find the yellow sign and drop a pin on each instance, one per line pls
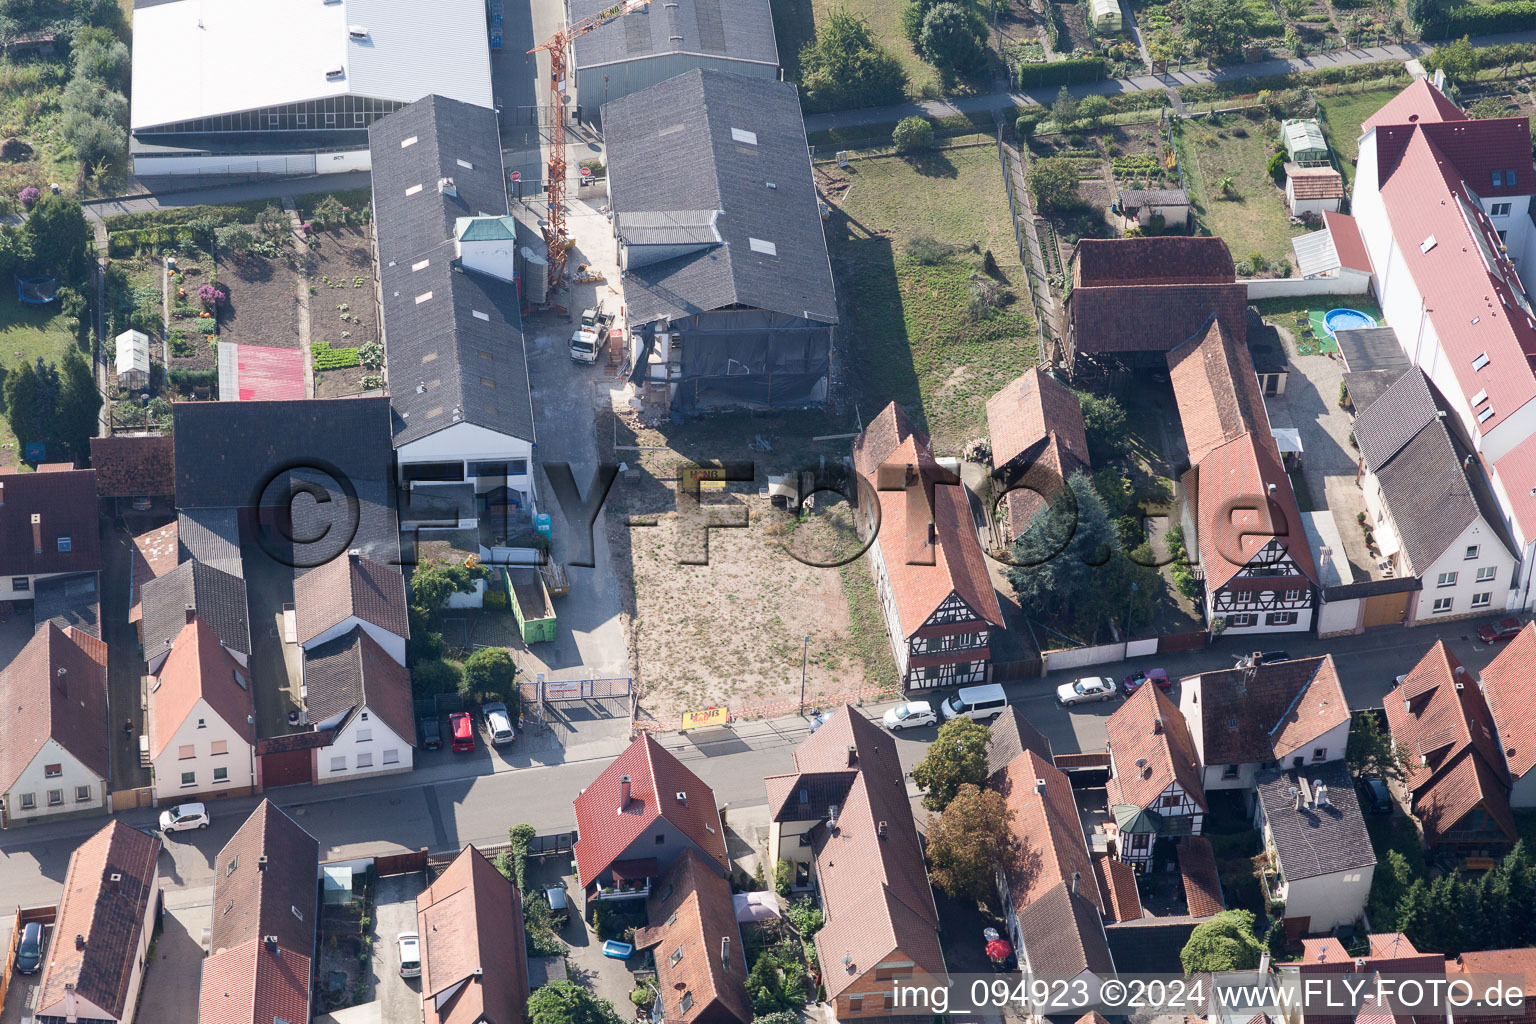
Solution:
(703, 478)
(699, 719)
(472, 561)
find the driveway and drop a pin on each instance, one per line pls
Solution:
(175, 971)
(22, 994)
(607, 978)
(275, 665)
(125, 663)
(394, 908)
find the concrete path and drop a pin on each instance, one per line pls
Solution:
(301, 294)
(277, 188)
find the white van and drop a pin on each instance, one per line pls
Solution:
(978, 702)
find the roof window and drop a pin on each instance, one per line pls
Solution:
(766, 248)
(1481, 361)
(481, 316)
(1479, 398)
(1498, 179)
(1428, 244)
(742, 135)
(422, 265)
(1486, 414)
(465, 164)
(413, 190)
(409, 142)
(423, 297)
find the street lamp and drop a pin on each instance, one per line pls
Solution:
(804, 653)
(1128, 606)
(250, 720)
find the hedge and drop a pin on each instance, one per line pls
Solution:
(186, 381)
(1207, 91)
(130, 241)
(328, 358)
(1488, 56)
(1063, 72)
(235, 212)
(1475, 20)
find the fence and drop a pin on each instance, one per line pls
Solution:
(401, 863)
(779, 709)
(1102, 654)
(1270, 288)
(1026, 255)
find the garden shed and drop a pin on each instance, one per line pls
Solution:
(1304, 142)
(1106, 15)
(133, 359)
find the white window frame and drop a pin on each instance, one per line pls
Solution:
(221, 778)
(55, 798)
(338, 764)
(1241, 619)
(1482, 600)
(1472, 550)
(82, 794)
(29, 801)
(188, 780)
(1446, 579)
(1499, 209)
(1447, 602)
(1487, 574)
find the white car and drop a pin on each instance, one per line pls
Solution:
(1089, 688)
(498, 722)
(409, 944)
(183, 817)
(910, 715)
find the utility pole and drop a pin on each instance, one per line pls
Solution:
(804, 654)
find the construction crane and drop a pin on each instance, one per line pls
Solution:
(557, 46)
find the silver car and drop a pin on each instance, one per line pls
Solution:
(1086, 690)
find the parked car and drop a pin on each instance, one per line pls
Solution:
(1262, 658)
(978, 702)
(1085, 690)
(559, 906)
(1498, 632)
(1131, 683)
(29, 952)
(498, 722)
(910, 715)
(429, 733)
(409, 944)
(183, 817)
(1375, 798)
(462, 727)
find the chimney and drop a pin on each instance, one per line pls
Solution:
(725, 951)
(79, 941)
(447, 187)
(271, 943)
(2, 493)
(623, 793)
(832, 810)
(1157, 725)
(1295, 794)
(881, 829)
(1263, 963)
(1040, 786)
(1272, 489)
(1407, 705)
(69, 1001)
(261, 863)
(853, 755)
(682, 798)
(37, 533)
(1320, 795)
(115, 882)
(1075, 876)
(191, 613)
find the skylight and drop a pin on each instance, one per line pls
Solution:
(422, 265)
(481, 316)
(408, 142)
(1481, 361)
(413, 190)
(423, 297)
(1428, 244)
(766, 248)
(1485, 415)
(465, 164)
(742, 135)
(1479, 398)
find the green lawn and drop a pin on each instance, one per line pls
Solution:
(913, 339)
(1342, 116)
(26, 332)
(795, 21)
(1255, 219)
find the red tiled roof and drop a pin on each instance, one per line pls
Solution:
(1476, 149)
(109, 912)
(1051, 847)
(1039, 421)
(1510, 688)
(251, 984)
(1150, 294)
(1326, 950)
(1216, 390)
(134, 465)
(1249, 716)
(58, 687)
(1515, 476)
(1315, 182)
(154, 555)
(1202, 885)
(1347, 242)
(1233, 480)
(656, 777)
(470, 921)
(1390, 946)
(346, 586)
(1161, 259)
(1148, 727)
(198, 667)
(1460, 787)
(1117, 888)
(64, 501)
(958, 567)
(1420, 103)
(698, 944)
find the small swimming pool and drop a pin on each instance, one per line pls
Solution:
(1336, 320)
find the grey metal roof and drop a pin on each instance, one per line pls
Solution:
(730, 29)
(1371, 348)
(211, 536)
(1315, 840)
(453, 338)
(218, 598)
(1316, 255)
(1394, 419)
(681, 227)
(712, 140)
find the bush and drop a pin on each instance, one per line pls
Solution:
(237, 238)
(844, 66)
(186, 381)
(927, 250)
(1276, 169)
(913, 134)
(28, 196)
(435, 676)
(1053, 183)
(1063, 72)
(953, 39)
(1473, 20)
(521, 837)
(783, 877)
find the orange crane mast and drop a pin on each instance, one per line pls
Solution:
(557, 46)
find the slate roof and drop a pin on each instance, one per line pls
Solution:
(65, 503)
(215, 596)
(1510, 689)
(210, 536)
(736, 30)
(698, 943)
(1009, 735)
(676, 147)
(1150, 294)
(656, 777)
(1148, 727)
(1216, 390)
(1251, 716)
(1316, 840)
(1035, 421)
(199, 668)
(1064, 936)
(353, 671)
(1202, 884)
(346, 586)
(58, 685)
(68, 601)
(454, 338)
(471, 925)
(890, 442)
(107, 893)
(874, 889)
(1135, 198)
(1049, 834)
(134, 465)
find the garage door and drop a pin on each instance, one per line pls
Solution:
(1386, 610)
(288, 768)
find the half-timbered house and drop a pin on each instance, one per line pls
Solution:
(1154, 783)
(939, 605)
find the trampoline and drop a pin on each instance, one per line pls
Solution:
(37, 290)
(1336, 320)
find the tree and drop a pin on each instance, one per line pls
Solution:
(1053, 183)
(970, 841)
(60, 239)
(913, 134)
(1276, 168)
(79, 404)
(431, 584)
(21, 402)
(490, 674)
(1093, 109)
(1391, 880)
(560, 1002)
(844, 66)
(100, 56)
(1224, 943)
(95, 120)
(1370, 751)
(237, 238)
(1422, 12)
(1104, 423)
(956, 757)
(273, 222)
(953, 39)
(1064, 110)
(1217, 26)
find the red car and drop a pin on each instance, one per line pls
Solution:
(1498, 632)
(462, 728)
(1131, 683)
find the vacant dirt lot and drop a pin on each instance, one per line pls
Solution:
(263, 308)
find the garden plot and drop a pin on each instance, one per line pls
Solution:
(795, 23)
(1233, 195)
(262, 305)
(341, 273)
(27, 333)
(192, 335)
(1342, 115)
